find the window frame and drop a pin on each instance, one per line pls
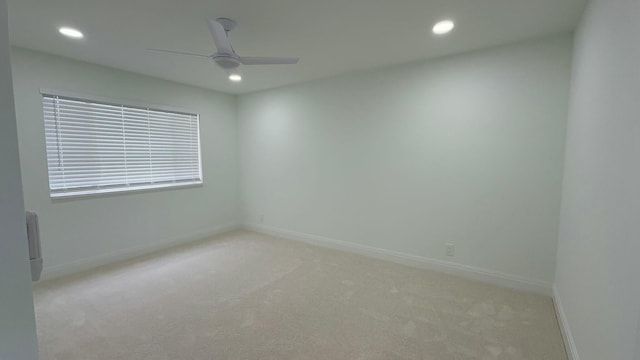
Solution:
(119, 189)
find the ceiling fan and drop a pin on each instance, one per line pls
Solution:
(225, 56)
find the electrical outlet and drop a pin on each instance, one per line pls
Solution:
(450, 248)
(261, 218)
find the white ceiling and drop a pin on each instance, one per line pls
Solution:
(330, 36)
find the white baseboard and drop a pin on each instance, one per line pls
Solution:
(470, 272)
(569, 344)
(129, 253)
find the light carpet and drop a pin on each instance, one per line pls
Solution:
(244, 295)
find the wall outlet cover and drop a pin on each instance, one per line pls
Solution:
(450, 249)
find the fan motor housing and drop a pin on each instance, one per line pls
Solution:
(226, 61)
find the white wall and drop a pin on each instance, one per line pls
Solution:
(17, 324)
(598, 266)
(83, 232)
(466, 149)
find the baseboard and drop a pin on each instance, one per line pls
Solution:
(56, 271)
(470, 272)
(569, 344)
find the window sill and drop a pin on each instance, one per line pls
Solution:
(71, 195)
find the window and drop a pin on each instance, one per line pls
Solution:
(96, 146)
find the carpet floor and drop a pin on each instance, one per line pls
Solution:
(244, 295)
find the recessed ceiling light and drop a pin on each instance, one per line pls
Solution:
(71, 32)
(443, 27)
(235, 77)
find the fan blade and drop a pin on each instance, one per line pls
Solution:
(180, 52)
(220, 38)
(252, 60)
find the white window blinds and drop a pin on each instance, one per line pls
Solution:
(99, 147)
